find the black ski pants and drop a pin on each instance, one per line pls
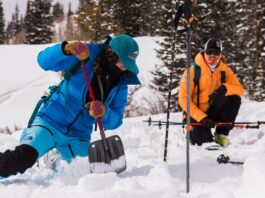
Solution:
(18, 160)
(227, 113)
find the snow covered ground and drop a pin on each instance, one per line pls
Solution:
(147, 175)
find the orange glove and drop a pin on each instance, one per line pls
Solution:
(97, 109)
(78, 49)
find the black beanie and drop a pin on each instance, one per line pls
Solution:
(213, 44)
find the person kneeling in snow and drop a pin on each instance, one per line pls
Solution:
(65, 120)
(215, 95)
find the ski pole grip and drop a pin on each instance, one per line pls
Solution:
(222, 159)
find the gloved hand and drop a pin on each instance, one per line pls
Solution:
(217, 98)
(208, 123)
(78, 49)
(97, 109)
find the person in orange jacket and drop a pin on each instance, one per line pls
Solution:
(216, 97)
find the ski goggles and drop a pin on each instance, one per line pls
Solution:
(213, 52)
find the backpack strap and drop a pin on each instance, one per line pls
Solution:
(74, 68)
(67, 76)
(36, 109)
(197, 75)
(40, 102)
(223, 76)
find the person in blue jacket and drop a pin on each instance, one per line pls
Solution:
(65, 120)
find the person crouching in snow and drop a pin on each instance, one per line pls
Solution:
(215, 95)
(65, 121)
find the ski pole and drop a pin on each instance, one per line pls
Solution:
(150, 121)
(184, 8)
(238, 126)
(254, 125)
(170, 86)
(222, 159)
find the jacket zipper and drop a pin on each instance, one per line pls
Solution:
(70, 125)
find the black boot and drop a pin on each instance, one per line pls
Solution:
(18, 160)
(200, 135)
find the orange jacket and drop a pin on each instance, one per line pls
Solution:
(209, 82)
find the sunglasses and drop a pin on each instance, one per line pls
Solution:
(213, 52)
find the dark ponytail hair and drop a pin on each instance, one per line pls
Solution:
(105, 58)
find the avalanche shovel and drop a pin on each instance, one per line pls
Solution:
(107, 154)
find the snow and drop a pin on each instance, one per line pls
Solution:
(147, 175)
(117, 165)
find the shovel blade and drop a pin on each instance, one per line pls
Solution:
(111, 160)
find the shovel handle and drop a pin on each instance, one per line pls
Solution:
(92, 96)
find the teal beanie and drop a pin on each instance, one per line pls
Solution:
(127, 49)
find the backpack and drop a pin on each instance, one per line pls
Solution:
(197, 75)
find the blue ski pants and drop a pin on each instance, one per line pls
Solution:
(43, 137)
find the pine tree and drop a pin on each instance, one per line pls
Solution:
(11, 30)
(108, 18)
(246, 32)
(201, 26)
(259, 93)
(262, 33)
(18, 25)
(94, 23)
(156, 19)
(29, 22)
(136, 18)
(58, 12)
(262, 43)
(47, 21)
(38, 22)
(82, 4)
(21, 35)
(161, 75)
(70, 31)
(211, 19)
(126, 15)
(14, 28)
(147, 18)
(2, 24)
(70, 12)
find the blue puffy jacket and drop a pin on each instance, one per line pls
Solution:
(65, 110)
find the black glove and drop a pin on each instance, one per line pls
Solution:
(217, 98)
(208, 123)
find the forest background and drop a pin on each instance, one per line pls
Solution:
(240, 25)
